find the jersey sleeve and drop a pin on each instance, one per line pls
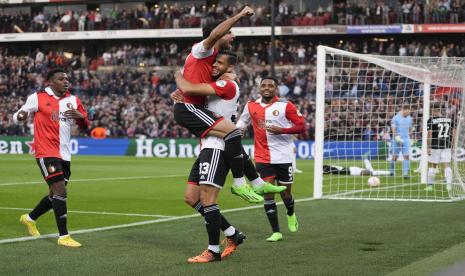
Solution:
(224, 89)
(429, 126)
(199, 51)
(394, 122)
(293, 115)
(31, 106)
(244, 120)
(83, 124)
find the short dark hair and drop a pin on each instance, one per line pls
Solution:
(275, 80)
(53, 71)
(232, 57)
(208, 28)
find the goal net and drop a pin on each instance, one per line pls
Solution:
(359, 98)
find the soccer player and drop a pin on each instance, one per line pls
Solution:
(200, 121)
(211, 168)
(441, 131)
(355, 171)
(54, 110)
(401, 124)
(274, 121)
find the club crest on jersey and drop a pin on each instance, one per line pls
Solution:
(275, 112)
(51, 169)
(221, 83)
(69, 105)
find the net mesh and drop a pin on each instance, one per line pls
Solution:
(362, 95)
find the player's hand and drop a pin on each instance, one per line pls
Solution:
(22, 115)
(246, 11)
(274, 129)
(73, 114)
(398, 139)
(177, 96)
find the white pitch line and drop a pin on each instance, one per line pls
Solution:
(106, 228)
(97, 179)
(96, 213)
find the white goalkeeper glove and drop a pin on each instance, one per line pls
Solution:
(412, 142)
(398, 139)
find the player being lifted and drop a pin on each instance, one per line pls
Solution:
(200, 121)
(274, 121)
(441, 133)
(54, 110)
(211, 168)
(401, 129)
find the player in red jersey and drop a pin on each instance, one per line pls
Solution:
(274, 121)
(54, 110)
(192, 113)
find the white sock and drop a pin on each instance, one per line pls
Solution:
(230, 231)
(29, 218)
(239, 182)
(448, 175)
(258, 182)
(214, 248)
(64, 236)
(431, 175)
(380, 173)
(368, 165)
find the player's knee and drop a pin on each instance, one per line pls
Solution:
(58, 189)
(190, 199)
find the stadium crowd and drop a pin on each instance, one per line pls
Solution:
(126, 88)
(189, 15)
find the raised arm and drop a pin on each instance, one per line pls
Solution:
(224, 27)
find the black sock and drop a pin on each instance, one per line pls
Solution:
(233, 153)
(272, 214)
(59, 207)
(212, 222)
(224, 222)
(249, 168)
(45, 204)
(289, 203)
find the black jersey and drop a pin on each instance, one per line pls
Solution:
(441, 128)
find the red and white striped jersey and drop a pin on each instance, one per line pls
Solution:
(52, 131)
(225, 104)
(271, 148)
(198, 69)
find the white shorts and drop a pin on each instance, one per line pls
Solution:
(355, 171)
(440, 156)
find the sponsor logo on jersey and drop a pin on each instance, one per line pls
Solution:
(221, 83)
(51, 169)
(276, 113)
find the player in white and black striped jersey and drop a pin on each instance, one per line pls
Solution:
(440, 142)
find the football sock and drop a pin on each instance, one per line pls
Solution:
(289, 203)
(233, 153)
(406, 167)
(212, 222)
(272, 214)
(224, 226)
(368, 165)
(380, 173)
(59, 207)
(431, 176)
(44, 205)
(392, 166)
(448, 175)
(249, 169)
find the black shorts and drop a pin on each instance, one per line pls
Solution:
(54, 169)
(198, 120)
(209, 169)
(283, 173)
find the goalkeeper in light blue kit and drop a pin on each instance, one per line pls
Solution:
(401, 124)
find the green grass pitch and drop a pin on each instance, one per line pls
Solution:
(336, 237)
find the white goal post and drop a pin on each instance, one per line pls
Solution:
(357, 96)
